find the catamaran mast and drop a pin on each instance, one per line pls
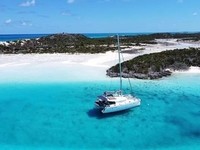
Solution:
(120, 68)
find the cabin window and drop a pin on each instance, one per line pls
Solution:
(111, 102)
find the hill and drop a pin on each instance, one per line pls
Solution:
(157, 65)
(78, 43)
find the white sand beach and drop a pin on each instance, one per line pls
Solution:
(72, 67)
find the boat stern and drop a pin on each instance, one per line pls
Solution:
(100, 102)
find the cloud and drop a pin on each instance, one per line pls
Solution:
(66, 14)
(194, 14)
(28, 3)
(78, 17)
(43, 16)
(26, 12)
(180, 1)
(23, 23)
(8, 21)
(103, 1)
(70, 1)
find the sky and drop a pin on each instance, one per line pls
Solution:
(98, 16)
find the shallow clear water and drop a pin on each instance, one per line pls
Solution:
(61, 115)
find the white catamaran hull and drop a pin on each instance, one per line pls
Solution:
(120, 107)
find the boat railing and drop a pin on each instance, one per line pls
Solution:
(113, 93)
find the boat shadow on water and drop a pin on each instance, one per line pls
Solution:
(99, 115)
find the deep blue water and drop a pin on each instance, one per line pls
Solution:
(100, 35)
(61, 115)
(11, 37)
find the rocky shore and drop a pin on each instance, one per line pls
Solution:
(153, 75)
(157, 65)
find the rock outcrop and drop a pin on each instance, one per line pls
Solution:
(153, 75)
(157, 65)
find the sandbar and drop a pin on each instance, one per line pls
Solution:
(77, 67)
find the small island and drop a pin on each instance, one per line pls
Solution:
(145, 66)
(79, 43)
(158, 65)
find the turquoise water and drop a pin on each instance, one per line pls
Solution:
(102, 35)
(61, 115)
(11, 37)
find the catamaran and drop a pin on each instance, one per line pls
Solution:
(112, 101)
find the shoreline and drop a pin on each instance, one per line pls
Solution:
(75, 67)
(191, 70)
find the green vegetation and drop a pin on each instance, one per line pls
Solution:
(77, 43)
(149, 64)
(59, 43)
